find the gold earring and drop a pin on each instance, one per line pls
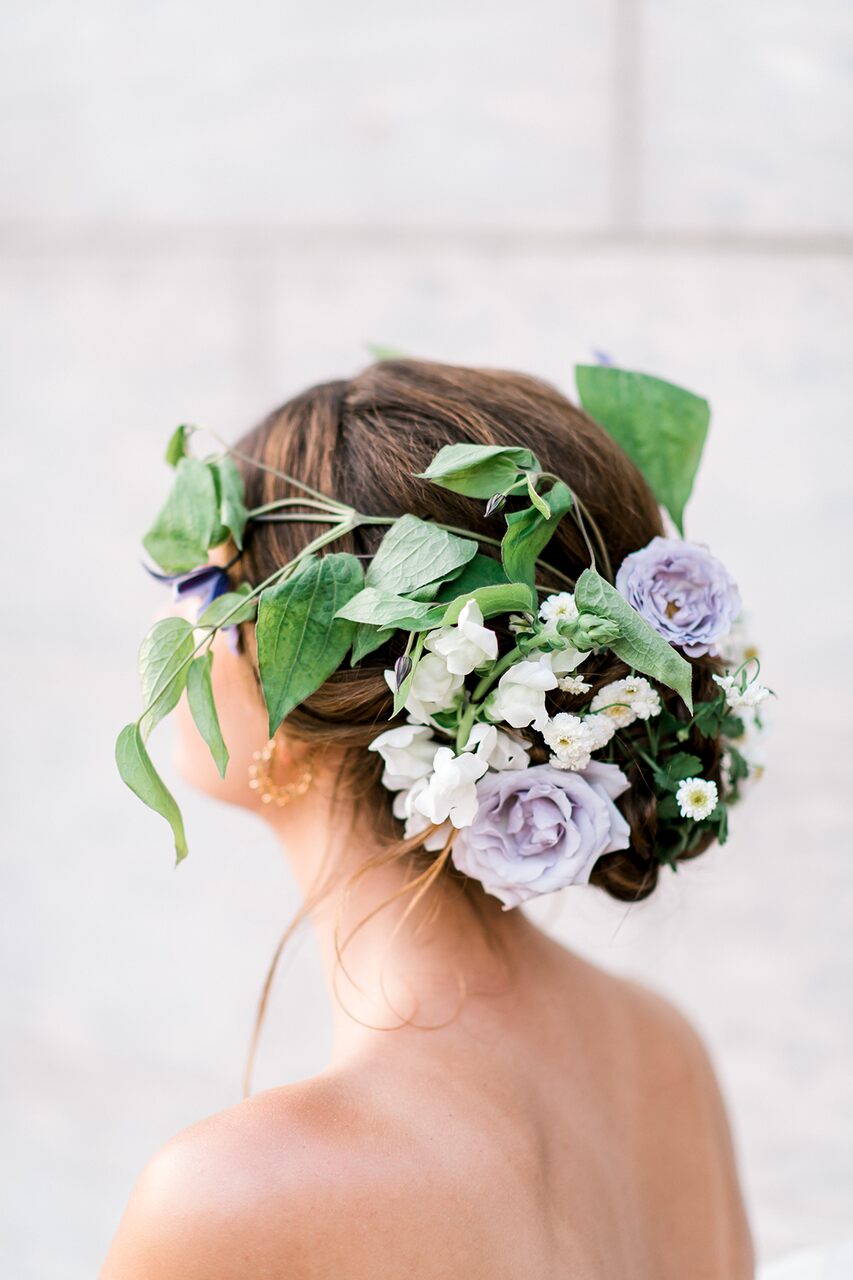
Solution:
(269, 792)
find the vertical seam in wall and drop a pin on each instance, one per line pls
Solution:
(626, 143)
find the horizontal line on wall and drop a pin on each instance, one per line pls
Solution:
(19, 240)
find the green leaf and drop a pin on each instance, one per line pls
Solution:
(509, 597)
(481, 571)
(164, 656)
(478, 470)
(536, 498)
(203, 708)
(679, 766)
(366, 639)
(177, 446)
(382, 609)
(138, 772)
(301, 641)
(414, 553)
(638, 645)
(216, 613)
(660, 426)
(528, 532)
(181, 535)
(380, 352)
(230, 494)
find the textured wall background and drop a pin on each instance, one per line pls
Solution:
(206, 207)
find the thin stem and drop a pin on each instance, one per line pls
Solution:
(299, 517)
(295, 502)
(263, 466)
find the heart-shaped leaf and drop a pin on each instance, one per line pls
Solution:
(414, 553)
(301, 640)
(661, 427)
(478, 470)
(181, 535)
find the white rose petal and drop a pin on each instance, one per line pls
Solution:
(466, 646)
(696, 798)
(451, 791)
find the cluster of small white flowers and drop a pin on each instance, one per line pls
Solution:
(625, 701)
(573, 739)
(742, 694)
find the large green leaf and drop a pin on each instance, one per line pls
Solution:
(164, 657)
(138, 772)
(414, 553)
(181, 535)
(230, 495)
(638, 645)
(382, 609)
(528, 532)
(660, 426)
(203, 708)
(301, 641)
(482, 571)
(478, 470)
(366, 639)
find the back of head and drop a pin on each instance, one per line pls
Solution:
(364, 441)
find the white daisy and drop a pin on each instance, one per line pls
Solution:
(558, 608)
(696, 798)
(625, 701)
(570, 740)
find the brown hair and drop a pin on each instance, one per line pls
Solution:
(363, 441)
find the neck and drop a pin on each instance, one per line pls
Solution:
(398, 950)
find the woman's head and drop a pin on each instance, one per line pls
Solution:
(364, 441)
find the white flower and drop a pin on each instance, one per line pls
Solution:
(451, 791)
(500, 750)
(573, 684)
(466, 646)
(520, 696)
(563, 662)
(408, 752)
(600, 729)
(570, 740)
(558, 608)
(416, 822)
(740, 694)
(625, 701)
(433, 687)
(696, 798)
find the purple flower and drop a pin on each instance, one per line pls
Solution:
(204, 584)
(540, 829)
(682, 591)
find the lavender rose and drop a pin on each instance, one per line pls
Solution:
(540, 829)
(682, 591)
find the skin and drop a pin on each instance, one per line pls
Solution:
(528, 1116)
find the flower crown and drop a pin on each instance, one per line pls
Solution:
(462, 775)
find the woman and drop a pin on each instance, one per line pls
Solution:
(494, 1105)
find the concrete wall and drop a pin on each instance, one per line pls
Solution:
(205, 207)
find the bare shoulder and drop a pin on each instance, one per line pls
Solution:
(244, 1192)
(689, 1154)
